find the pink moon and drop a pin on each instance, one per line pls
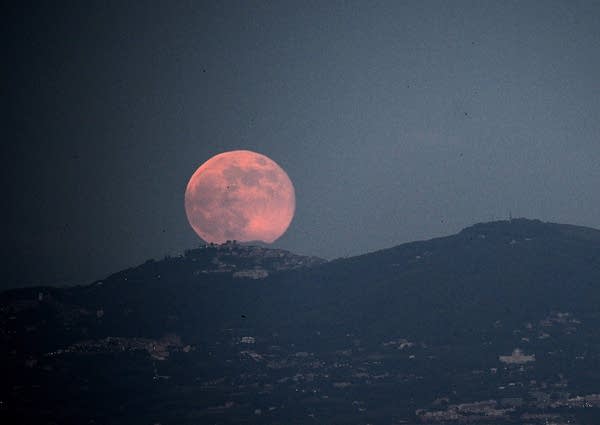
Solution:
(240, 195)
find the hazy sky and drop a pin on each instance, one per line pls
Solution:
(395, 120)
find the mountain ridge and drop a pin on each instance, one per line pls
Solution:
(516, 226)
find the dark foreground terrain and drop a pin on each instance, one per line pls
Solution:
(499, 324)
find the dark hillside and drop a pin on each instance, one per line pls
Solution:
(422, 332)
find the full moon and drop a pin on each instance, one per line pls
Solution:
(240, 195)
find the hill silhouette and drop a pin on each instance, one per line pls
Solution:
(498, 321)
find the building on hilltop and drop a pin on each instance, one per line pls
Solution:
(517, 357)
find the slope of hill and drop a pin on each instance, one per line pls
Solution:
(496, 324)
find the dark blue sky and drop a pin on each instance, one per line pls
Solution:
(395, 120)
